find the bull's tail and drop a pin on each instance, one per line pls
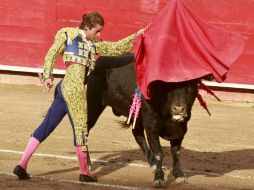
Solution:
(123, 124)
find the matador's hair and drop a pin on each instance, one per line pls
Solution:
(91, 19)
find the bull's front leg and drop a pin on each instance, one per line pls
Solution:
(151, 125)
(176, 150)
(154, 143)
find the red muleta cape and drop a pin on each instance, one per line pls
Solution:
(179, 46)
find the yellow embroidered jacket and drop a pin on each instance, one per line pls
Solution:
(67, 35)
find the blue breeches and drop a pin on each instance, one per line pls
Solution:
(55, 114)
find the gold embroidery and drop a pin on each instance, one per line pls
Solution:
(115, 48)
(82, 52)
(81, 45)
(74, 92)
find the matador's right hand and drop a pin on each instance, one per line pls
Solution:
(48, 84)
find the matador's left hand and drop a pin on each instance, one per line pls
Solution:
(141, 31)
(48, 84)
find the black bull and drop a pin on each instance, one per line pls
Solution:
(113, 83)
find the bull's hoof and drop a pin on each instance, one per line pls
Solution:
(180, 180)
(159, 183)
(159, 179)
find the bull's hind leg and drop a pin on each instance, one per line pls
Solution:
(96, 87)
(138, 133)
(175, 150)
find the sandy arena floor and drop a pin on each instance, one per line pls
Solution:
(218, 151)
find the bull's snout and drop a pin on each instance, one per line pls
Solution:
(178, 109)
(179, 113)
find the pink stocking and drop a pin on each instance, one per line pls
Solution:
(82, 159)
(30, 149)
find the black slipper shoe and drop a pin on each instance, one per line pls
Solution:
(86, 178)
(21, 173)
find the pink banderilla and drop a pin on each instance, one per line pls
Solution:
(135, 108)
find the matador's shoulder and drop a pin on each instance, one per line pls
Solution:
(71, 32)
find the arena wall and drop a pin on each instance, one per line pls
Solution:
(27, 29)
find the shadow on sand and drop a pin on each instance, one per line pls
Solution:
(193, 162)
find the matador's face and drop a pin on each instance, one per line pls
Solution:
(93, 33)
